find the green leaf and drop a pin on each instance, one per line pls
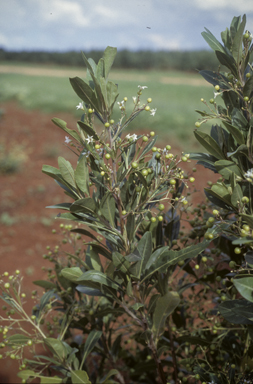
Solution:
(228, 61)
(108, 208)
(121, 262)
(26, 374)
(210, 144)
(227, 168)
(215, 78)
(95, 260)
(84, 232)
(82, 175)
(109, 56)
(248, 87)
(90, 343)
(18, 339)
(244, 286)
(137, 306)
(50, 380)
(67, 171)
(88, 129)
(45, 284)
(236, 196)
(237, 311)
(144, 248)
(162, 258)
(212, 41)
(237, 42)
(165, 305)
(80, 377)
(63, 125)
(85, 92)
(97, 277)
(72, 273)
(235, 132)
(86, 205)
(248, 219)
(58, 347)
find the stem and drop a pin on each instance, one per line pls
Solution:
(174, 359)
(159, 366)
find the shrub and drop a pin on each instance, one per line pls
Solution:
(136, 298)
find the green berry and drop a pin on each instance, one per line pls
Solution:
(149, 100)
(124, 212)
(197, 124)
(184, 158)
(107, 156)
(152, 133)
(192, 179)
(211, 101)
(134, 164)
(107, 125)
(153, 219)
(161, 207)
(246, 35)
(217, 87)
(245, 200)
(246, 98)
(147, 108)
(145, 138)
(144, 172)
(248, 75)
(90, 110)
(154, 149)
(111, 121)
(172, 182)
(102, 173)
(160, 218)
(237, 250)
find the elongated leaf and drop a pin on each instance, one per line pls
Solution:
(244, 286)
(165, 305)
(90, 343)
(109, 56)
(228, 61)
(50, 380)
(89, 291)
(227, 168)
(85, 92)
(88, 129)
(58, 347)
(84, 232)
(18, 339)
(212, 41)
(86, 205)
(111, 373)
(248, 219)
(237, 311)
(67, 171)
(82, 175)
(210, 144)
(121, 262)
(215, 78)
(72, 273)
(63, 125)
(248, 87)
(235, 132)
(97, 277)
(108, 208)
(45, 284)
(162, 258)
(26, 374)
(144, 248)
(236, 196)
(237, 42)
(80, 377)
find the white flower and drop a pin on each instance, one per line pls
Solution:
(141, 87)
(249, 174)
(67, 140)
(80, 105)
(133, 137)
(153, 112)
(120, 104)
(89, 139)
(134, 99)
(216, 94)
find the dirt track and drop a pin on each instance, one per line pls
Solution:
(42, 71)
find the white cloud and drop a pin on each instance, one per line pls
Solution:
(241, 6)
(65, 10)
(164, 42)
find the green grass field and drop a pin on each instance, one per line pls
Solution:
(176, 95)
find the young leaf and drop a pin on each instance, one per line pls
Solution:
(87, 129)
(63, 125)
(237, 42)
(97, 277)
(212, 41)
(85, 92)
(108, 208)
(227, 168)
(18, 339)
(109, 56)
(72, 273)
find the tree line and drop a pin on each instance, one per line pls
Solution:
(125, 59)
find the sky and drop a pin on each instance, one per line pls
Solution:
(62, 25)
